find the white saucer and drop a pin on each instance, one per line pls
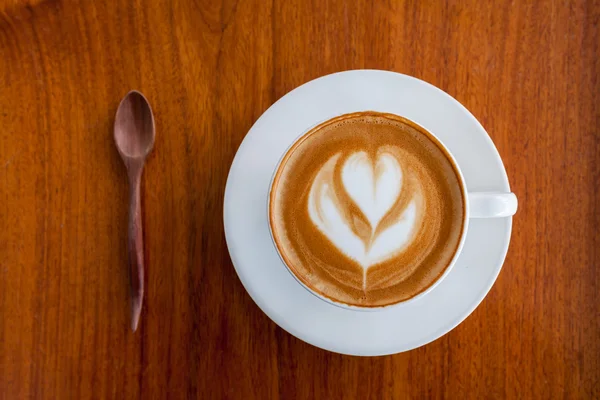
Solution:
(267, 280)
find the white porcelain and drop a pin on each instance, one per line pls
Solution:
(477, 205)
(392, 329)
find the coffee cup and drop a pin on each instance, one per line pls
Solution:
(370, 210)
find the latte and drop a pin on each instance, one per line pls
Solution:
(367, 209)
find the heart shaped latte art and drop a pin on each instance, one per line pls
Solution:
(372, 186)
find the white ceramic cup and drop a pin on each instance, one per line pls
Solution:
(477, 205)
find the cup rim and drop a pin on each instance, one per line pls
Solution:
(465, 220)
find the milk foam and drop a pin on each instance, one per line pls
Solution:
(367, 209)
(375, 190)
(375, 187)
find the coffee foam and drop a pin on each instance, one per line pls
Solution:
(366, 209)
(374, 190)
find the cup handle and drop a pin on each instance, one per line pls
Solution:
(492, 204)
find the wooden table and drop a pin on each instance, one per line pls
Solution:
(529, 71)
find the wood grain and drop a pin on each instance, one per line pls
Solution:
(529, 71)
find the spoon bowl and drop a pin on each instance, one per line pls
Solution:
(134, 126)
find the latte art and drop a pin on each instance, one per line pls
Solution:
(367, 209)
(373, 234)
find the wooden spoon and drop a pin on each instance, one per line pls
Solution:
(134, 136)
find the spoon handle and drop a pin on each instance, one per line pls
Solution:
(136, 250)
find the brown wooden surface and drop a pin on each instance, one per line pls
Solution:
(528, 70)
